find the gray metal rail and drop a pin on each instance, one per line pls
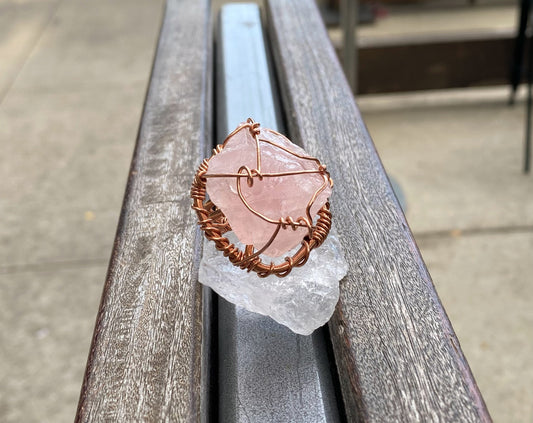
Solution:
(266, 372)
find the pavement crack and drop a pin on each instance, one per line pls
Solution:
(458, 233)
(25, 59)
(49, 266)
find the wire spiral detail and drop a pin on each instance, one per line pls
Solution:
(214, 224)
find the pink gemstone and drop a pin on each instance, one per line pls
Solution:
(273, 197)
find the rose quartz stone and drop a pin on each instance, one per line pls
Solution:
(274, 197)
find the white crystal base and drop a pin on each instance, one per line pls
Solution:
(303, 300)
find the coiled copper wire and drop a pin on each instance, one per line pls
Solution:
(214, 224)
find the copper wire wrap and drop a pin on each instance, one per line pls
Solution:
(214, 224)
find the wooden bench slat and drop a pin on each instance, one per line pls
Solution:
(267, 373)
(145, 362)
(397, 355)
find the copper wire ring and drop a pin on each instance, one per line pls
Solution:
(214, 224)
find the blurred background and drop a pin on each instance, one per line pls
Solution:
(433, 81)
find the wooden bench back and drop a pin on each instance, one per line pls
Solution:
(397, 356)
(146, 359)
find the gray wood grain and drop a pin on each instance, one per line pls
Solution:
(397, 355)
(147, 358)
(267, 373)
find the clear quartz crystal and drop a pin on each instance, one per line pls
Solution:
(303, 300)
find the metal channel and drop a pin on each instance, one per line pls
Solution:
(265, 371)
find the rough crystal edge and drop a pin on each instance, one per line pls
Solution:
(303, 301)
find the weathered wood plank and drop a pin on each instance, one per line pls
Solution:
(145, 362)
(397, 355)
(267, 373)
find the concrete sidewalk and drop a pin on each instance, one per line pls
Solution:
(458, 157)
(72, 82)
